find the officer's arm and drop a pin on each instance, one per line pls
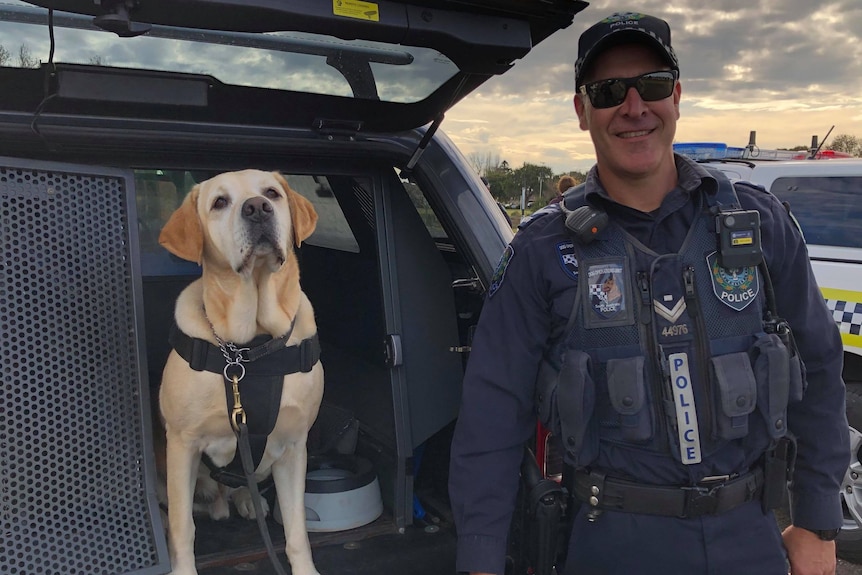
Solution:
(818, 421)
(497, 414)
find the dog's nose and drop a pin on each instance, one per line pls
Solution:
(256, 209)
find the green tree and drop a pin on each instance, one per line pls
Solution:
(502, 182)
(847, 144)
(537, 181)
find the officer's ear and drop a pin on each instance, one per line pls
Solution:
(581, 111)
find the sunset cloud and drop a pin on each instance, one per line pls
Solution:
(787, 69)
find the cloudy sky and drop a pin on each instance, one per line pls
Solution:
(789, 69)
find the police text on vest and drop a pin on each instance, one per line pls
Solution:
(686, 415)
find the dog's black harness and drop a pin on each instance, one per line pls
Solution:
(263, 362)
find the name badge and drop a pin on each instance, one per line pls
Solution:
(686, 415)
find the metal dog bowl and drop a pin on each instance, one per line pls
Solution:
(341, 492)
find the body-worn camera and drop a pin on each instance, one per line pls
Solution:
(739, 239)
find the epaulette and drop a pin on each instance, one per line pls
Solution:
(785, 204)
(725, 197)
(549, 209)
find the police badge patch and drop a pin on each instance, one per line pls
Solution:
(606, 293)
(500, 272)
(735, 288)
(567, 259)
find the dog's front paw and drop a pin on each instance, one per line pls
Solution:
(245, 506)
(184, 570)
(219, 509)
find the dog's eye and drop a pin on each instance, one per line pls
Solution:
(271, 193)
(220, 203)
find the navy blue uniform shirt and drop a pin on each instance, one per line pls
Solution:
(532, 295)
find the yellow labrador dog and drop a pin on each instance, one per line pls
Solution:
(241, 227)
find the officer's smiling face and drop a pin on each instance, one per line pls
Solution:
(635, 138)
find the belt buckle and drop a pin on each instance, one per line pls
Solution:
(714, 478)
(700, 500)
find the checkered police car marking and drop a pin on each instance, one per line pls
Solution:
(846, 309)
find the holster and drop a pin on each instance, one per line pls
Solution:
(545, 509)
(777, 470)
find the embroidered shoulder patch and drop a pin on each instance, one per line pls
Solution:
(735, 288)
(500, 272)
(567, 259)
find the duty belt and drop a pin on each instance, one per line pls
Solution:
(709, 497)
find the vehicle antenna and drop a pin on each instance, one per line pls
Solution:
(823, 141)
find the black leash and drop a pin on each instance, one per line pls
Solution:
(248, 467)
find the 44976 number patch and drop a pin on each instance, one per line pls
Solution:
(673, 330)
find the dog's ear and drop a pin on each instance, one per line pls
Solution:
(183, 235)
(302, 213)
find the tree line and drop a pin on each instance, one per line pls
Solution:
(845, 143)
(539, 182)
(25, 58)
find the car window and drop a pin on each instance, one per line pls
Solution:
(429, 218)
(160, 192)
(332, 230)
(828, 208)
(295, 61)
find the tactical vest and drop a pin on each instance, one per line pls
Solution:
(668, 352)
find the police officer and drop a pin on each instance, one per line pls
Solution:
(667, 326)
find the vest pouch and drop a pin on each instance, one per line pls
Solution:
(737, 394)
(627, 391)
(576, 400)
(772, 372)
(546, 396)
(797, 376)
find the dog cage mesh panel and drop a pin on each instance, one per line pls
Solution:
(75, 490)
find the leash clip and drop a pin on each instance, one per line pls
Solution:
(237, 415)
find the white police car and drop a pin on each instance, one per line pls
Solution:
(825, 196)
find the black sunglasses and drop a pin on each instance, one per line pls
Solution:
(651, 87)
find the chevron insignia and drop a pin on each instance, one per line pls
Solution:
(670, 315)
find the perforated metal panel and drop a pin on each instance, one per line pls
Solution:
(76, 495)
